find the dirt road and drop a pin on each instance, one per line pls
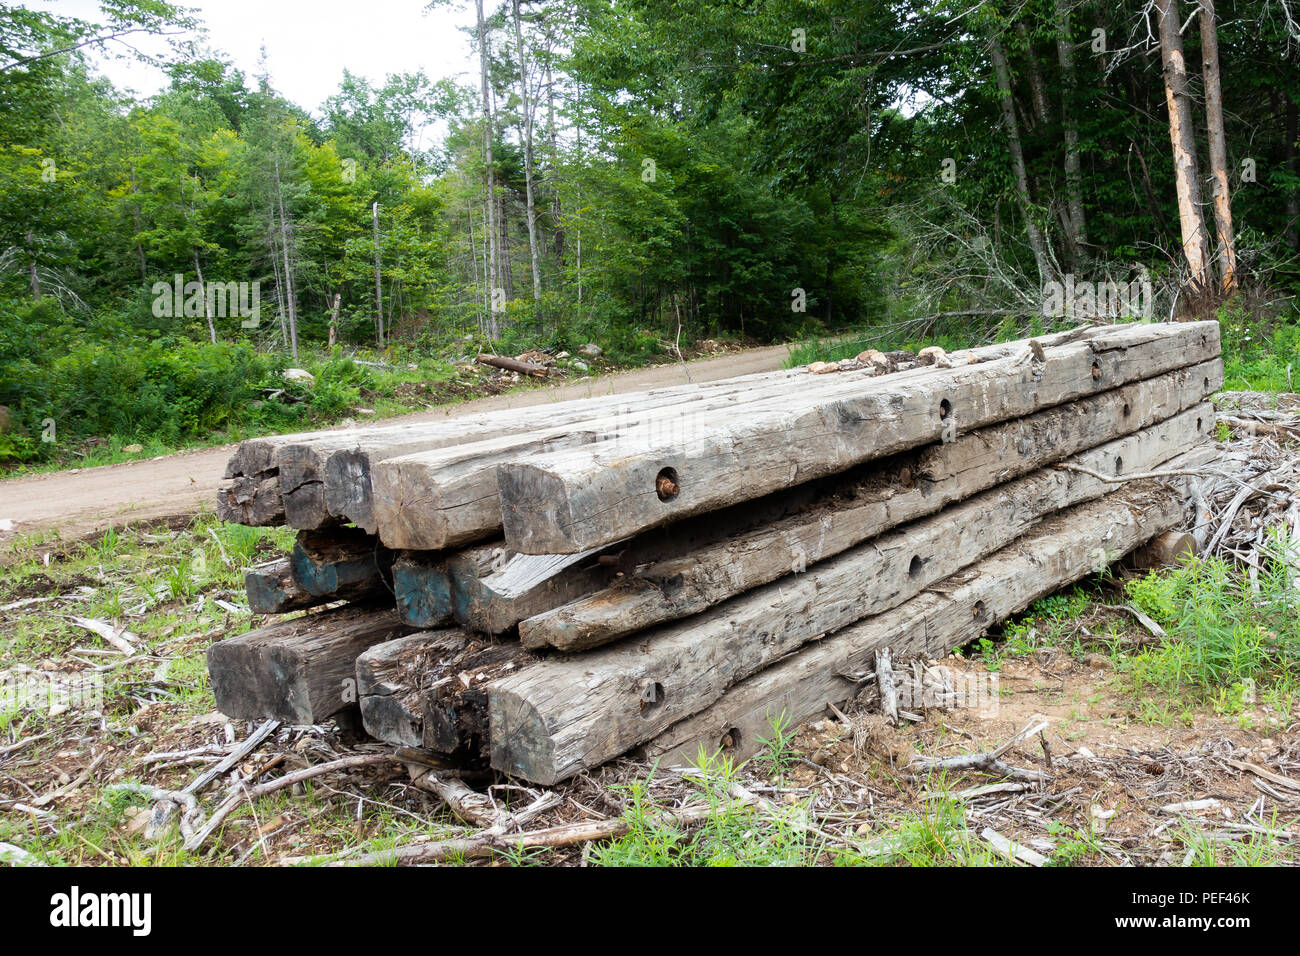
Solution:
(76, 502)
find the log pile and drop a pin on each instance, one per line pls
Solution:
(544, 589)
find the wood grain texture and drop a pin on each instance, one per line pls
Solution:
(324, 476)
(340, 563)
(1062, 550)
(271, 589)
(577, 499)
(559, 717)
(448, 497)
(494, 589)
(428, 690)
(300, 671)
(867, 501)
(391, 678)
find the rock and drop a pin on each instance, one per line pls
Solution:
(299, 375)
(580, 365)
(933, 355)
(562, 355)
(365, 411)
(822, 368)
(7, 524)
(874, 359)
(1098, 662)
(590, 350)
(133, 449)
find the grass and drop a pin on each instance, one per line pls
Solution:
(1232, 642)
(1258, 357)
(163, 584)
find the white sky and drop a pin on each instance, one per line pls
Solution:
(309, 42)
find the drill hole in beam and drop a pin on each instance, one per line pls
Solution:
(667, 485)
(652, 697)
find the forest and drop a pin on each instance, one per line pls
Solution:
(641, 175)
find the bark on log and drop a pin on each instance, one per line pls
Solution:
(864, 502)
(300, 671)
(513, 365)
(574, 500)
(557, 718)
(1057, 553)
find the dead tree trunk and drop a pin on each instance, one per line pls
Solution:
(379, 289)
(1227, 249)
(1182, 136)
(207, 302)
(290, 296)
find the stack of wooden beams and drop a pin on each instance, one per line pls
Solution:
(544, 589)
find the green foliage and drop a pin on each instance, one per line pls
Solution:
(1231, 639)
(1259, 356)
(338, 385)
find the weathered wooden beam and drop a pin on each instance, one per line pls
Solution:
(448, 497)
(391, 678)
(340, 563)
(252, 501)
(325, 476)
(859, 505)
(422, 588)
(1060, 551)
(494, 589)
(580, 498)
(557, 718)
(428, 690)
(300, 671)
(930, 624)
(271, 589)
